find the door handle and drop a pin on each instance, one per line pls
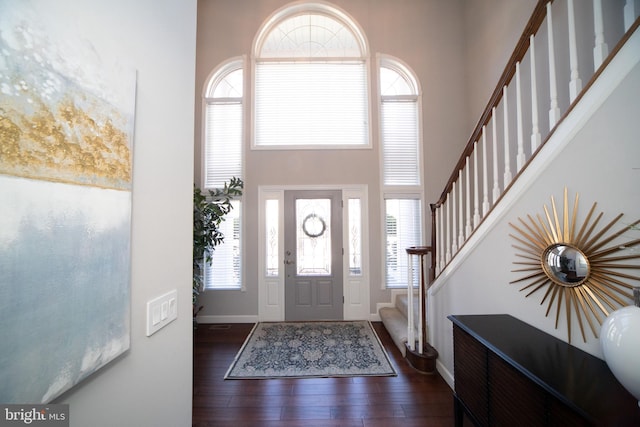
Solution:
(288, 262)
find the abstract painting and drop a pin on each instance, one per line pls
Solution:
(66, 153)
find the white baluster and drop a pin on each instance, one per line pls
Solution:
(535, 131)
(468, 228)
(420, 305)
(575, 85)
(485, 178)
(411, 340)
(600, 50)
(476, 196)
(436, 241)
(454, 220)
(507, 154)
(629, 14)
(448, 223)
(460, 210)
(554, 111)
(442, 241)
(496, 186)
(520, 159)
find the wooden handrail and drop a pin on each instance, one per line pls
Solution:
(535, 21)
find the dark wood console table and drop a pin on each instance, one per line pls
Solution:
(508, 373)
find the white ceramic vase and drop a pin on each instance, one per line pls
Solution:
(620, 341)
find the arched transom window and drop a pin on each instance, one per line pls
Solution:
(311, 80)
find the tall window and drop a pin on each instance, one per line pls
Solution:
(223, 142)
(401, 167)
(311, 81)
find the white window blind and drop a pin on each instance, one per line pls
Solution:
(224, 272)
(223, 150)
(400, 152)
(403, 224)
(311, 104)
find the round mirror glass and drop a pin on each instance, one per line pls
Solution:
(565, 264)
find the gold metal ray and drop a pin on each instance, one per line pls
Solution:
(567, 298)
(536, 243)
(546, 294)
(552, 225)
(546, 230)
(595, 300)
(534, 265)
(574, 302)
(527, 260)
(602, 265)
(590, 230)
(585, 302)
(535, 231)
(541, 283)
(536, 259)
(536, 288)
(613, 249)
(535, 253)
(565, 219)
(618, 258)
(540, 231)
(597, 246)
(611, 274)
(573, 218)
(528, 277)
(522, 270)
(605, 288)
(560, 296)
(585, 224)
(556, 222)
(604, 298)
(588, 246)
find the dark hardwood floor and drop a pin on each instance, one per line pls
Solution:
(410, 399)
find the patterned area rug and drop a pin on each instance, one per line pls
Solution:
(311, 349)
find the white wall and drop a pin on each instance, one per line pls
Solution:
(150, 385)
(492, 30)
(601, 162)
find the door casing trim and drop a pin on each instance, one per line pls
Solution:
(356, 289)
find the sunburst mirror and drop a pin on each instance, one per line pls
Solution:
(582, 271)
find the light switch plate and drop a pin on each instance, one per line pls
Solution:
(161, 311)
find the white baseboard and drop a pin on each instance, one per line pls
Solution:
(227, 319)
(445, 374)
(375, 317)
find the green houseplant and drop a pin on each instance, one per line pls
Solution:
(209, 210)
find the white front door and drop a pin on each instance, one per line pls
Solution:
(313, 255)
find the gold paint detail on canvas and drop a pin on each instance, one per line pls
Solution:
(64, 145)
(601, 286)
